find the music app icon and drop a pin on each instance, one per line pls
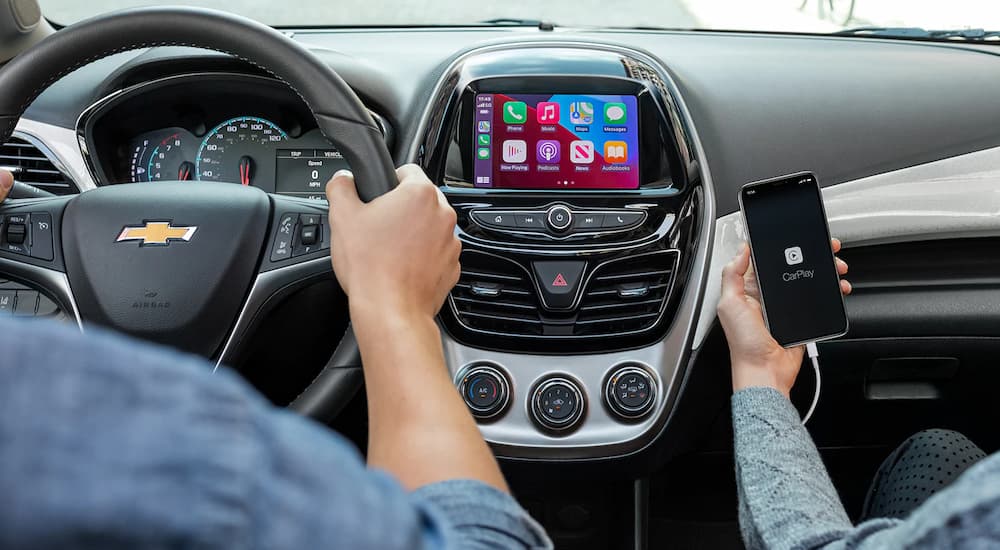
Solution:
(548, 112)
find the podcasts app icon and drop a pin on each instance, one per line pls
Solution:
(547, 151)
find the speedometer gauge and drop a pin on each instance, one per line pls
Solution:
(232, 151)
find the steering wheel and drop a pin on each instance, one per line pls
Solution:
(190, 266)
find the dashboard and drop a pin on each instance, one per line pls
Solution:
(594, 175)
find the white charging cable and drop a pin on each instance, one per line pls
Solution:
(814, 357)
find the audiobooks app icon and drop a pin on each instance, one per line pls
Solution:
(615, 152)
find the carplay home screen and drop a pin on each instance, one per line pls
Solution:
(561, 141)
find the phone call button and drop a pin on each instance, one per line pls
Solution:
(619, 220)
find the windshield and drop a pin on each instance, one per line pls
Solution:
(810, 16)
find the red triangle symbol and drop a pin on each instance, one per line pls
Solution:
(559, 281)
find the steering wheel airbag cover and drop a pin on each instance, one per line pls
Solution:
(184, 293)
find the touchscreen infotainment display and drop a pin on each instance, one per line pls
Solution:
(556, 141)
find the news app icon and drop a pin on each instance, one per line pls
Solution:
(515, 151)
(581, 112)
(547, 112)
(615, 152)
(547, 151)
(581, 152)
(793, 255)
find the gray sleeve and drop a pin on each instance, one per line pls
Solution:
(108, 443)
(786, 497)
(788, 501)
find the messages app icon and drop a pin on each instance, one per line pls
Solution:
(615, 113)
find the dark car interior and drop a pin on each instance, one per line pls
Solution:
(577, 277)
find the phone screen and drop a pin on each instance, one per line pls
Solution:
(790, 243)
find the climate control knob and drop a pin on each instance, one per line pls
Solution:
(485, 390)
(631, 391)
(557, 404)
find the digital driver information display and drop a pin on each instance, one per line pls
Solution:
(560, 141)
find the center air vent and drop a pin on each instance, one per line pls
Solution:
(29, 165)
(496, 295)
(626, 296)
(622, 297)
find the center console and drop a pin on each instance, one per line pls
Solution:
(585, 220)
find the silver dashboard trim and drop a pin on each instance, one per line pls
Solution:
(62, 146)
(599, 435)
(916, 203)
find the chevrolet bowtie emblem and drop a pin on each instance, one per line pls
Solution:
(155, 233)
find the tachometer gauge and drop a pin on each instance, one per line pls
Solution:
(156, 158)
(232, 151)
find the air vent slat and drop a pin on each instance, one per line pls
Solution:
(619, 319)
(30, 165)
(621, 304)
(496, 295)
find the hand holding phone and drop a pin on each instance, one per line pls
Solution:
(757, 359)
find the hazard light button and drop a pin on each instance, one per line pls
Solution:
(559, 282)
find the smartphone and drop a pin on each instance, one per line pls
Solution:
(790, 248)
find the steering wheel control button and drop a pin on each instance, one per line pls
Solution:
(485, 390)
(309, 235)
(27, 301)
(586, 221)
(622, 220)
(530, 220)
(282, 247)
(557, 404)
(7, 300)
(631, 392)
(559, 282)
(559, 218)
(41, 235)
(310, 219)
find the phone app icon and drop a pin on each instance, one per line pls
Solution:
(581, 112)
(793, 255)
(484, 139)
(615, 113)
(548, 151)
(615, 152)
(547, 112)
(581, 152)
(515, 112)
(483, 153)
(484, 126)
(515, 151)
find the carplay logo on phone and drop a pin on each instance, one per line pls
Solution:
(793, 255)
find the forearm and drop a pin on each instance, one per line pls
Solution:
(419, 429)
(786, 497)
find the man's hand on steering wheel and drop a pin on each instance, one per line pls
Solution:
(398, 253)
(6, 184)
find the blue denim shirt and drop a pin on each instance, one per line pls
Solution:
(110, 443)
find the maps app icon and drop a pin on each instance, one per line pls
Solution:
(581, 112)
